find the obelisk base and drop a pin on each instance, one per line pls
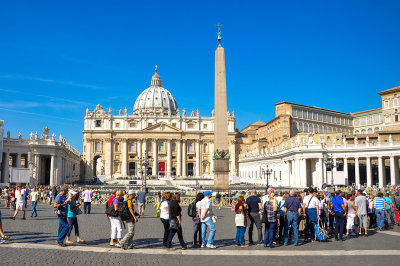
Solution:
(221, 175)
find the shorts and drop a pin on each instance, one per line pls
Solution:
(363, 220)
(141, 206)
(20, 206)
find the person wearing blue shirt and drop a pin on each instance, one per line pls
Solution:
(61, 203)
(339, 210)
(390, 209)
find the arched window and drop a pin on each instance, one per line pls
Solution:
(356, 132)
(363, 131)
(116, 146)
(369, 130)
(376, 129)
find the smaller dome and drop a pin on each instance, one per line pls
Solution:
(156, 98)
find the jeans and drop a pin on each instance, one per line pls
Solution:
(339, 225)
(292, 219)
(269, 233)
(128, 238)
(391, 215)
(255, 219)
(73, 222)
(210, 224)
(380, 217)
(311, 220)
(180, 237)
(166, 231)
(197, 232)
(240, 230)
(88, 206)
(63, 228)
(34, 204)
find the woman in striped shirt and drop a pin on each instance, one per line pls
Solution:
(380, 207)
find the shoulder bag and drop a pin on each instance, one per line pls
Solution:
(173, 224)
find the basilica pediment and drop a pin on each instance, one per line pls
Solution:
(162, 127)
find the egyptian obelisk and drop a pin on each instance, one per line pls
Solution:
(221, 149)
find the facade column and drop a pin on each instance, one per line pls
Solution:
(18, 160)
(52, 162)
(211, 158)
(346, 171)
(357, 171)
(394, 171)
(109, 158)
(320, 172)
(89, 173)
(155, 158)
(381, 169)
(139, 156)
(184, 166)
(303, 168)
(169, 167)
(198, 158)
(36, 173)
(179, 158)
(369, 172)
(6, 173)
(60, 171)
(124, 168)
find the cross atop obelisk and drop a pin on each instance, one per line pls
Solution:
(219, 33)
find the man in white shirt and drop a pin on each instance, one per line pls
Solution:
(266, 196)
(87, 200)
(20, 197)
(311, 213)
(206, 220)
(34, 200)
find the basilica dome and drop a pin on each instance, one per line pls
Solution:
(155, 99)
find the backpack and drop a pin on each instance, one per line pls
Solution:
(192, 210)
(111, 211)
(123, 211)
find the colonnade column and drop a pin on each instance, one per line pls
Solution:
(346, 171)
(109, 161)
(369, 172)
(52, 162)
(198, 158)
(184, 173)
(357, 171)
(394, 171)
(155, 158)
(124, 168)
(18, 160)
(139, 156)
(89, 171)
(60, 173)
(320, 172)
(6, 160)
(169, 158)
(179, 158)
(381, 169)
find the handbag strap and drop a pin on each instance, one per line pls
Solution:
(309, 201)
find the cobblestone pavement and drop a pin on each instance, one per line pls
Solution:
(39, 235)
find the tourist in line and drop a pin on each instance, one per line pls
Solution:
(116, 224)
(292, 212)
(272, 213)
(196, 221)
(2, 235)
(141, 199)
(20, 202)
(158, 204)
(339, 212)
(389, 209)
(311, 214)
(6, 193)
(175, 214)
(61, 203)
(281, 201)
(109, 202)
(87, 200)
(127, 241)
(254, 207)
(379, 205)
(207, 221)
(361, 206)
(396, 202)
(12, 199)
(73, 207)
(240, 222)
(351, 215)
(34, 201)
(164, 216)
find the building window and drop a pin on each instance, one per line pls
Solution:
(376, 129)
(161, 146)
(328, 138)
(97, 146)
(173, 147)
(117, 125)
(386, 104)
(321, 138)
(98, 123)
(396, 118)
(356, 132)
(205, 126)
(116, 146)
(205, 148)
(190, 126)
(149, 148)
(387, 119)
(190, 147)
(149, 124)
(132, 147)
(132, 124)
(363, 131)
(395, 102)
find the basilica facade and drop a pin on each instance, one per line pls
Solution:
(156, 139)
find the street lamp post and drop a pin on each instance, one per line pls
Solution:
(268, 172)
(328, 160)
(143, 162)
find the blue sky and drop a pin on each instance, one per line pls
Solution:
(59, 57)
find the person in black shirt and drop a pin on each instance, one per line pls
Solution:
(175, 213)
(254, 206)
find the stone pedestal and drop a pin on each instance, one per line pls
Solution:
(221, 175)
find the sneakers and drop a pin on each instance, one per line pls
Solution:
(203, 246)
(117, 245)
(210, 246)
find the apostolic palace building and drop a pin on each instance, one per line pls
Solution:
(175, 142)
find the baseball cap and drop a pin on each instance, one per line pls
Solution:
(130, 192)
(208, 192)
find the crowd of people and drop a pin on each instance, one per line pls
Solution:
(277, 217)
